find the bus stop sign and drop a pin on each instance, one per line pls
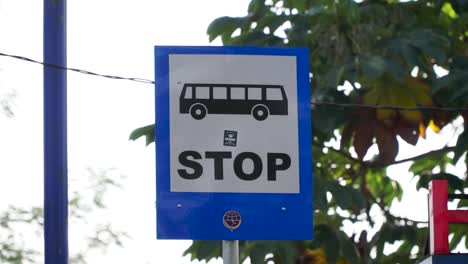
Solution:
(233, 143)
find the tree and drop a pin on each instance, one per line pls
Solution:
(373, 53)
(6, 103)
(20, 227)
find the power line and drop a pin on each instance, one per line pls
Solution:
(51, 65)
(389, 107)
(344, 105)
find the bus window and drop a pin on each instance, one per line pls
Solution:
(188, 92)
(203, 92)
(237, 93)
(254, 93)
(219, 92)
(274, 94)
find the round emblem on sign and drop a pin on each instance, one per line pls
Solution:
(232, 220)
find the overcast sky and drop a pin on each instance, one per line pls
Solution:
(112, 37)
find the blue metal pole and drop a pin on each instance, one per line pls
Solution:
(55, 135)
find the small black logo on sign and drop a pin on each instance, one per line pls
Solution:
(232, 220)
(230, 138)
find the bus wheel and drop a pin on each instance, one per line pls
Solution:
(198, 111)
(260, 112)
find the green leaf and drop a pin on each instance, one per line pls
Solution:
(326, 237)
(257, 7)
(257, 250)
(454, 77)
(460, 94)
(256, 38)
(430, 43)
(316, 10)
(258, 253)
(456, 238)
(300, 5)
(204, 250)
(397, 70)
(466, 241)
(454, 182)
(463, 203)
(284, 252)
(460, 6)
(460, 62)
(224, 26)
(273, 22)
(448, 10)
(390, 233)
(459, 231)
(425, 166)
(348, 248)
(410, 53)
(462, 145)
(372, 66)
(383, 187)
(320, 194)
(336, 76)
(147, 131)
(326, 119)
(347, 197)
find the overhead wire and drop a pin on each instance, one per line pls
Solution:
(389, 107)
(315, 103)
(60, 67)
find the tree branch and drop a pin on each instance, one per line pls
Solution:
(406, 220)
(389, 215)
(422, 156)
(342, 153)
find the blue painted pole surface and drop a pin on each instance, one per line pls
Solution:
(55, 135)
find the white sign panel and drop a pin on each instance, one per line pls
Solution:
(234, 123)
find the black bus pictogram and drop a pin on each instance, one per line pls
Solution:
(258, 100)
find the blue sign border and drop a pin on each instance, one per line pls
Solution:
(265, 216)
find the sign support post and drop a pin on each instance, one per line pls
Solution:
(230, 251)
(55, 134)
